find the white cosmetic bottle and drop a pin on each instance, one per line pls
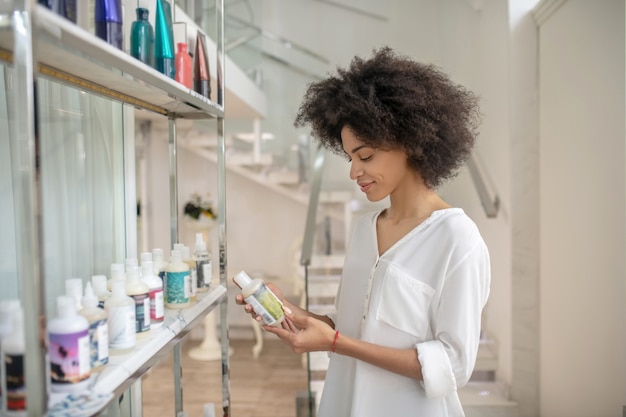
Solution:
(140, 293)
(178, 282)
(13, 347)
(74, 288)
(155, 285)
(120, 310)
(99, 285)
(98, 329)
(202, 259)
(185, 253)
(68, 335)
(262, 299)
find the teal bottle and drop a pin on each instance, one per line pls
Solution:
(142, 38)
(164, 40)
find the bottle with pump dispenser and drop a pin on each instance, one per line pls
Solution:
(140, 293)
(98, 329)
(120, 309)
(13, 347)
(155, 285)
(263, 301)
(178, 282)
(68, 335)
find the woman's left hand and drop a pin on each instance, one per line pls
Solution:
(304, 334)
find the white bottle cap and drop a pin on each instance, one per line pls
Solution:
(6, 315)
(175, 256)
(130, 262)
(178, 246)
(200, 245)
(74, 288)
(66, 306)
(117, 271)
(132, 274)
(242, 279)
(99, 284)
(18, 320)
(208, 410)
(89, 299)
(146, 256)
(147, 268)
(185, 252)
(157, 255)
(118, 288)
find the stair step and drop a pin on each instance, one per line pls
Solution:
(487, 399)
(487, 358)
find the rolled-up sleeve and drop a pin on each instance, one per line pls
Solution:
(448, 361)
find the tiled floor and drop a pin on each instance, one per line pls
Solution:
(263, 387)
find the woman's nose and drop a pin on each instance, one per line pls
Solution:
(355, 170)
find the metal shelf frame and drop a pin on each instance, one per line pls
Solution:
(39, 43)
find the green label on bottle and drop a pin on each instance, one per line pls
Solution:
(178, 286)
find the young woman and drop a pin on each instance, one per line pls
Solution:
(417, 274)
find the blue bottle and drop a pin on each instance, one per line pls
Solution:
(108, 19)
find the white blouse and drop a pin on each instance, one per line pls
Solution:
(427, 291)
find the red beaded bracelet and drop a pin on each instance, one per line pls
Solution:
(332, 348)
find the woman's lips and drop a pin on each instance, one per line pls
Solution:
(366, 186)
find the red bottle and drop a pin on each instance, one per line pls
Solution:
(184, 66)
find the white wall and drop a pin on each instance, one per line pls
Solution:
(582, 210)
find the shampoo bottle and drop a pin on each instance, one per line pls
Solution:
(164, 39)
(13, 348)
(68, 335)
(98, 330)
(120, 309)
(184, 66)
(202, 259)
(155, 285)
(262, 300)
(108, 19)
(142, 38)
(140, 293)
(178, 281)
(201, 74)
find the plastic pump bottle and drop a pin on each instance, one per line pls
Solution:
(98, 329)
(202, 258)
(120, 310)
(140, 293)
(68, 334)
(261, 298)
(13, 347)
(155, 286)
(178, 282)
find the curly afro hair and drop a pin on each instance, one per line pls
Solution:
(393, 102)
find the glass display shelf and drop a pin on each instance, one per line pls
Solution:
(124, 369)
(72, 55)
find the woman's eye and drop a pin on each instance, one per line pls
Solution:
(367, 158)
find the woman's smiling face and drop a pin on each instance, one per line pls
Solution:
(378, 172)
